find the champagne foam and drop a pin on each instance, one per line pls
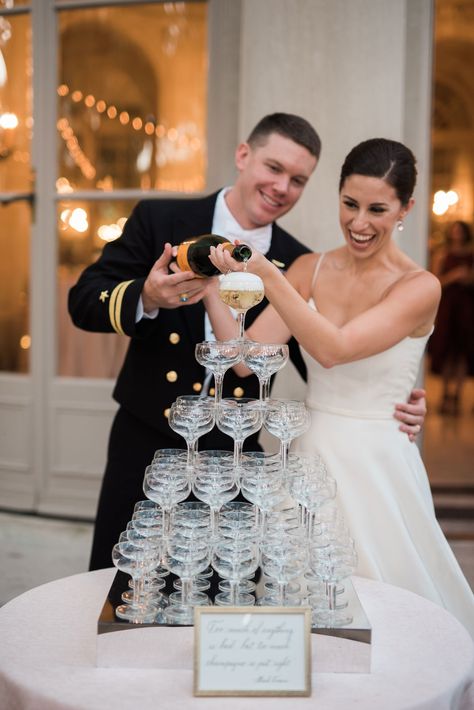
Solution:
(240, 281)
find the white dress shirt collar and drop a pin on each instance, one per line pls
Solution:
(225, 224)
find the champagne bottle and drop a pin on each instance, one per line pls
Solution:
(193, 254)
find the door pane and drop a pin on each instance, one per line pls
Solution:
(132, 97)
(83, 229)
(15, 103)
(14, 287)
(15, 176)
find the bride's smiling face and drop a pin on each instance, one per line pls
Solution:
(369, 209)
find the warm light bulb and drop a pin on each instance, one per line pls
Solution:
(78, 220)
(440, 202)
(452, 197)
(8, 120)
(109, 232)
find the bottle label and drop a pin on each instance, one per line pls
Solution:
(182, 256)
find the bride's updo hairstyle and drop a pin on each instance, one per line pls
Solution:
(383, 158)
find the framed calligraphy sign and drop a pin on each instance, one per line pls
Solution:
(252, 651)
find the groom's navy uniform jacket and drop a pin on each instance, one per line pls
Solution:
(160, 363)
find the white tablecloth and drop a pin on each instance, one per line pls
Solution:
(421, 658)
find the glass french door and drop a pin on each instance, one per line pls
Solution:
(102, 102)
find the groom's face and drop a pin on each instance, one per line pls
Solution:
(272, 177)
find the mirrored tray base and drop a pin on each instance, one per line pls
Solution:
(345, 649)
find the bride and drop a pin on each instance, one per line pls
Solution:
(362, 314)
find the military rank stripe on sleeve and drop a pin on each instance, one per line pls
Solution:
(115, 306)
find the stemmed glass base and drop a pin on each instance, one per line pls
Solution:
(330, 618)
(137, 615)
(179, 615)
(242, 599)
(272, 588)
(272, 600)
(245, 586)
(199, 584)
(151, 592)
(195, 598)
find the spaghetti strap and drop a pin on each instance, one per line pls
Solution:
(316, 270)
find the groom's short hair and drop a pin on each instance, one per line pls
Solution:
(289, 126)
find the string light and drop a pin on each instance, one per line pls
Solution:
(25, 342)
(173, 144)
(72, 145)
(173, 133)
(442, 201)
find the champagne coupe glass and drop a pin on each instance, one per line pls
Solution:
(214, 485)
(283, 561)
(166, 486)
(237, 525)
(218, 357)
(332, 565)
(193, 519)
(196, 532)
(147, 506)
(174, 454)
(241, 290)
(149, 509)
(185, 557)
(243, 507)
(283, 526)
(234, 560)
(331, 528)
(264, 359)
(216, 457)
(282, 522)
(239, 418)
(314, 497)
(286, 419)
(145, 530)
(311, 486)
(135, 560)
(147, 522)
(264, 487)
(192, 416)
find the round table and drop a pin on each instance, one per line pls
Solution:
(421, 658)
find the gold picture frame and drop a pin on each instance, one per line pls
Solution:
(252, 651)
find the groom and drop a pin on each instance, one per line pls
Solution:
(131, 291)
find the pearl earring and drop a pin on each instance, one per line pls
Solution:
(400, 226)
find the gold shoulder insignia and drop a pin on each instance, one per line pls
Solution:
(103, 296)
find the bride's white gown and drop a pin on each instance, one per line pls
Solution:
(383, 487)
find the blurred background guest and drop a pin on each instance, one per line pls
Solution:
(452, 344)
